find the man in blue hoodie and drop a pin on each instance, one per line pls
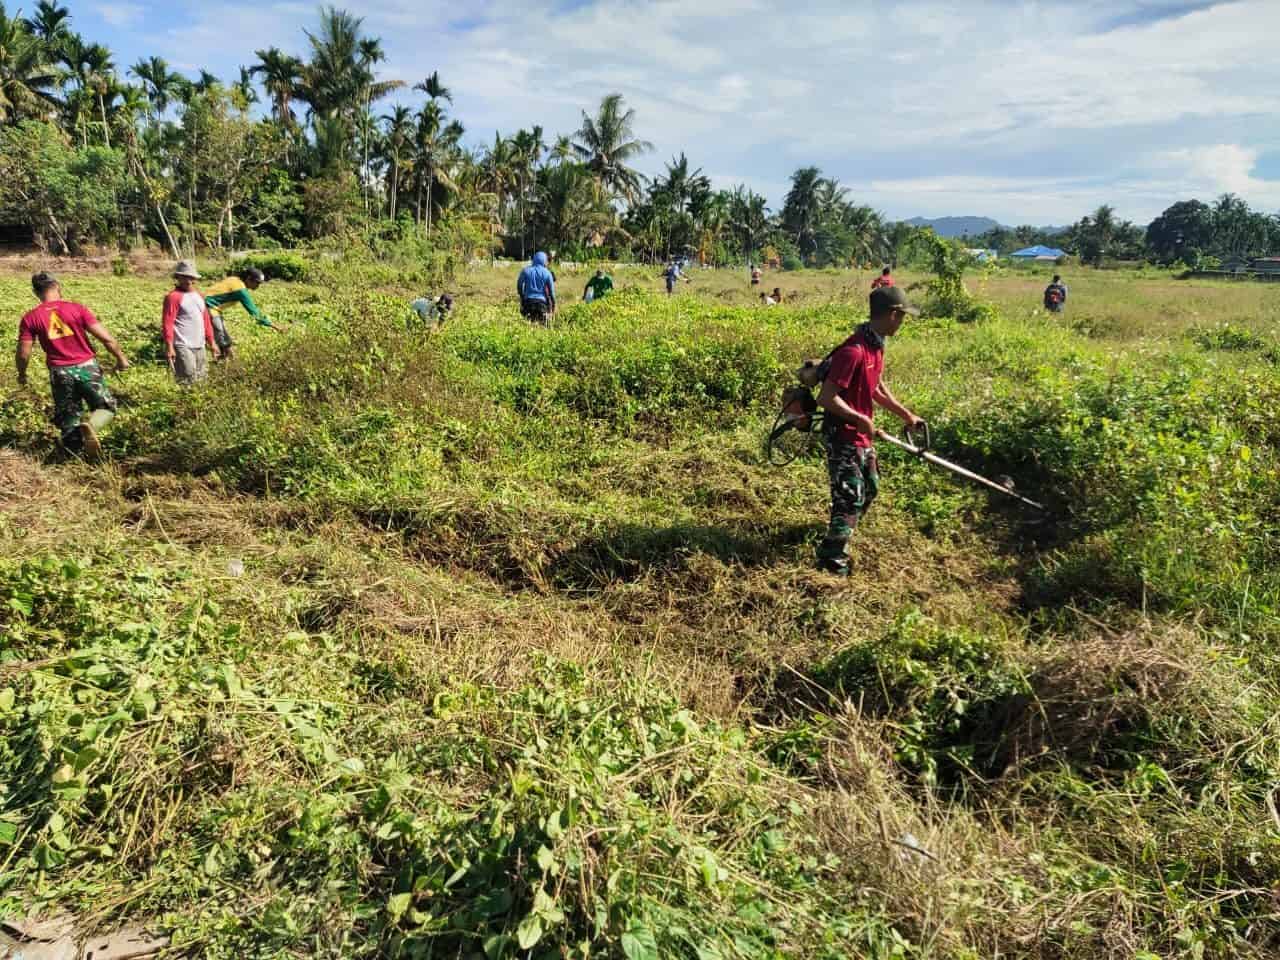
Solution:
(537, 289)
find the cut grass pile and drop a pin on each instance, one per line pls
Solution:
(504, 641)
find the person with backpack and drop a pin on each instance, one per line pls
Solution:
(536, 286)
(1055, 295)
(852, 386)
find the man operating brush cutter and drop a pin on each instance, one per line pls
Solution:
(852, 386)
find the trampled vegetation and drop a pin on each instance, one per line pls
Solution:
(504, 641)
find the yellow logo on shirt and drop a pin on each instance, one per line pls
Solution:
(58, 327)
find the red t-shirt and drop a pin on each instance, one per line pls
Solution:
(881, 281)
(855, 368)
(60, 327)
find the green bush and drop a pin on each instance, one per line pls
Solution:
(792, 263)
(276, 266)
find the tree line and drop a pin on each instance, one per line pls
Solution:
(297, 148)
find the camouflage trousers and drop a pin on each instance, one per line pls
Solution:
(855, 481)
(75, 387)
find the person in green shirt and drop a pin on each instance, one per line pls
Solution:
(227, 293)
(598, 286)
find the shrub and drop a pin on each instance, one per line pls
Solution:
(276, 266)
(790, 262)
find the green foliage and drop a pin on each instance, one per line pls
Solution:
(944, 690)
(502, 640)
(946, 294)
(68, 195)
(291, 267)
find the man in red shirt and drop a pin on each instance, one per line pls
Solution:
(187, 327)
(850, 391)
(75, 377)
(884, 280)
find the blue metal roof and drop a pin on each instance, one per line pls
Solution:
(1038, 251)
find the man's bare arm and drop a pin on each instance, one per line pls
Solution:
(21, 358)
(884, 397)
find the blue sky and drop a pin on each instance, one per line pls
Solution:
(1028, 112)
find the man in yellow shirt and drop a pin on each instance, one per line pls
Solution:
(227, 293)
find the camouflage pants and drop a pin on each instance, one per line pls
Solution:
(855, 481)
(83, 384)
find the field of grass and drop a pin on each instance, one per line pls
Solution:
(506, 642)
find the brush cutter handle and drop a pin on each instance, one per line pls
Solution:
(919, 435)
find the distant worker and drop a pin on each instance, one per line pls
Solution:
(766, 300)
(433, 313)
(672, 274)
(537, 289)
(777, 294)
(187, 327)
(227, 293)
(601, 285)
(755, 275)
(76, 379)
(884, 280)
(1055, 295)
(851, 390)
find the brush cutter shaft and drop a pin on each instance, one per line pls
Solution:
(937, 461)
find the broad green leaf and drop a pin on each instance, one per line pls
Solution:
(8, 832)
(6, 699)
(529, 932)
(397, 904)
(638, 943)
(545, 859)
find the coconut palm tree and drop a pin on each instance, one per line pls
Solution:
(802, 209)
(28, 82)
(434, 89)
(162, 86)
(49, 24)
(243, 88)
(526, 152)
(435, 139)
(100, 77)
(607, 143)
(397, 149)
(748, 218)
(281, 75)
(572, 205)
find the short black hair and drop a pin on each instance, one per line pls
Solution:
(42, 281)
(884, 272)
(1057, 277)
(253, 273)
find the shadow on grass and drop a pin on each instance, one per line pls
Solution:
(631, 550)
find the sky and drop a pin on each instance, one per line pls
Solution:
(1027, 112)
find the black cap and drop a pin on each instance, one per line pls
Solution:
(42, 281)
(884, 299)
(254, 274)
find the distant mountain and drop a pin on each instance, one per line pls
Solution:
(956, 226)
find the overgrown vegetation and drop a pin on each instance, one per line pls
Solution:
(504, 641)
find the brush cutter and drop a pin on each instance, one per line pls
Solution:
(922, 451)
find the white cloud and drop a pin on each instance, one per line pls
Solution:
(1031, 111)
(120, 14)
